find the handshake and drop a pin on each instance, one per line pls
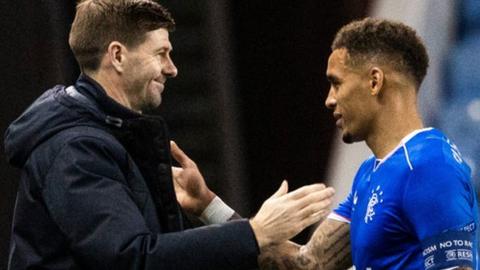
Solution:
(284, 215)
(281, 217)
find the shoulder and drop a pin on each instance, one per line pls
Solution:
(432, 153)
(438, 192)
(82, 140)
(80, 145)
(437, 169)
(363, 171)
(439, 178)
(367, 164)
(86, 132)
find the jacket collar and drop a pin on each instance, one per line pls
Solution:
(96, 93)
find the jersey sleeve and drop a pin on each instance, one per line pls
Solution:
(343, 212)
(439, 205)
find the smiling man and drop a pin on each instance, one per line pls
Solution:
(412, 204)
(141, 75)
(96, 189)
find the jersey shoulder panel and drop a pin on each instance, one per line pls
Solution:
(438, 193)
(432, 149)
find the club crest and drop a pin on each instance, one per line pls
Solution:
(375, 198)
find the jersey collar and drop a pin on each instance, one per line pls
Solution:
(402, 143)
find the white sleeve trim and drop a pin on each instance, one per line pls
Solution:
(337, 217)
(407, 157)
(216, 212)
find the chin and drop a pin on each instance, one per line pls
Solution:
(347, 137)
(150, 106)
(153, 101)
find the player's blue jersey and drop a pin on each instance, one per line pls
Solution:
(414, 209)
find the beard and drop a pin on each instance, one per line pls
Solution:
(347, 138)
(353, 137)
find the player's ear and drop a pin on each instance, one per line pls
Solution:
(116, 53)
(376, 80)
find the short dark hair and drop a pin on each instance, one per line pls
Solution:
(99, 22)
(385, 41)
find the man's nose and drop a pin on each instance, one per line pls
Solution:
(170, 70)
(330, 101)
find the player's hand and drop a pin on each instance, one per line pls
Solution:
(284, 215)
(192, 192)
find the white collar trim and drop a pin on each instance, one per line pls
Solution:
(402, 143)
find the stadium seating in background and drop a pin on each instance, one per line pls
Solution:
(461, 118)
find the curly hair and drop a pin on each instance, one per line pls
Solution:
(99, 22)
(386, 42)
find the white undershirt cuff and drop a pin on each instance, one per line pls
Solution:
(216, 212)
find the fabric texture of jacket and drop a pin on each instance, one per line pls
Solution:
(96, 192)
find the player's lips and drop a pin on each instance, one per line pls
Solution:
(338, 118)
(160, 83)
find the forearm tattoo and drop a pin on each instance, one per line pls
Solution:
(330, 244)
(329, 248)
(286, 256)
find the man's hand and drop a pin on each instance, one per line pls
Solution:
(328, 249)
(192, 192)
(284, 214)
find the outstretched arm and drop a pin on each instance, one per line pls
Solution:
(280, 217)
(329, 248)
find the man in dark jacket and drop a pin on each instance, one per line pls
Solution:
(96, 189)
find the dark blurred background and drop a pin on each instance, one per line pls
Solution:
(247, 104)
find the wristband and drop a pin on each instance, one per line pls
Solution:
(216, 212)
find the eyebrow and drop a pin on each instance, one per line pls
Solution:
(163, 48)
(332, 78)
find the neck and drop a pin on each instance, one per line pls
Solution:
(392, 126)
(112, 88)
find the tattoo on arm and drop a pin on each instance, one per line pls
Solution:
(285, 257)
(330, 245)
(329, 248)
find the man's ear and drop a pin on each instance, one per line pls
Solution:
(377, 79)
(116, 52)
